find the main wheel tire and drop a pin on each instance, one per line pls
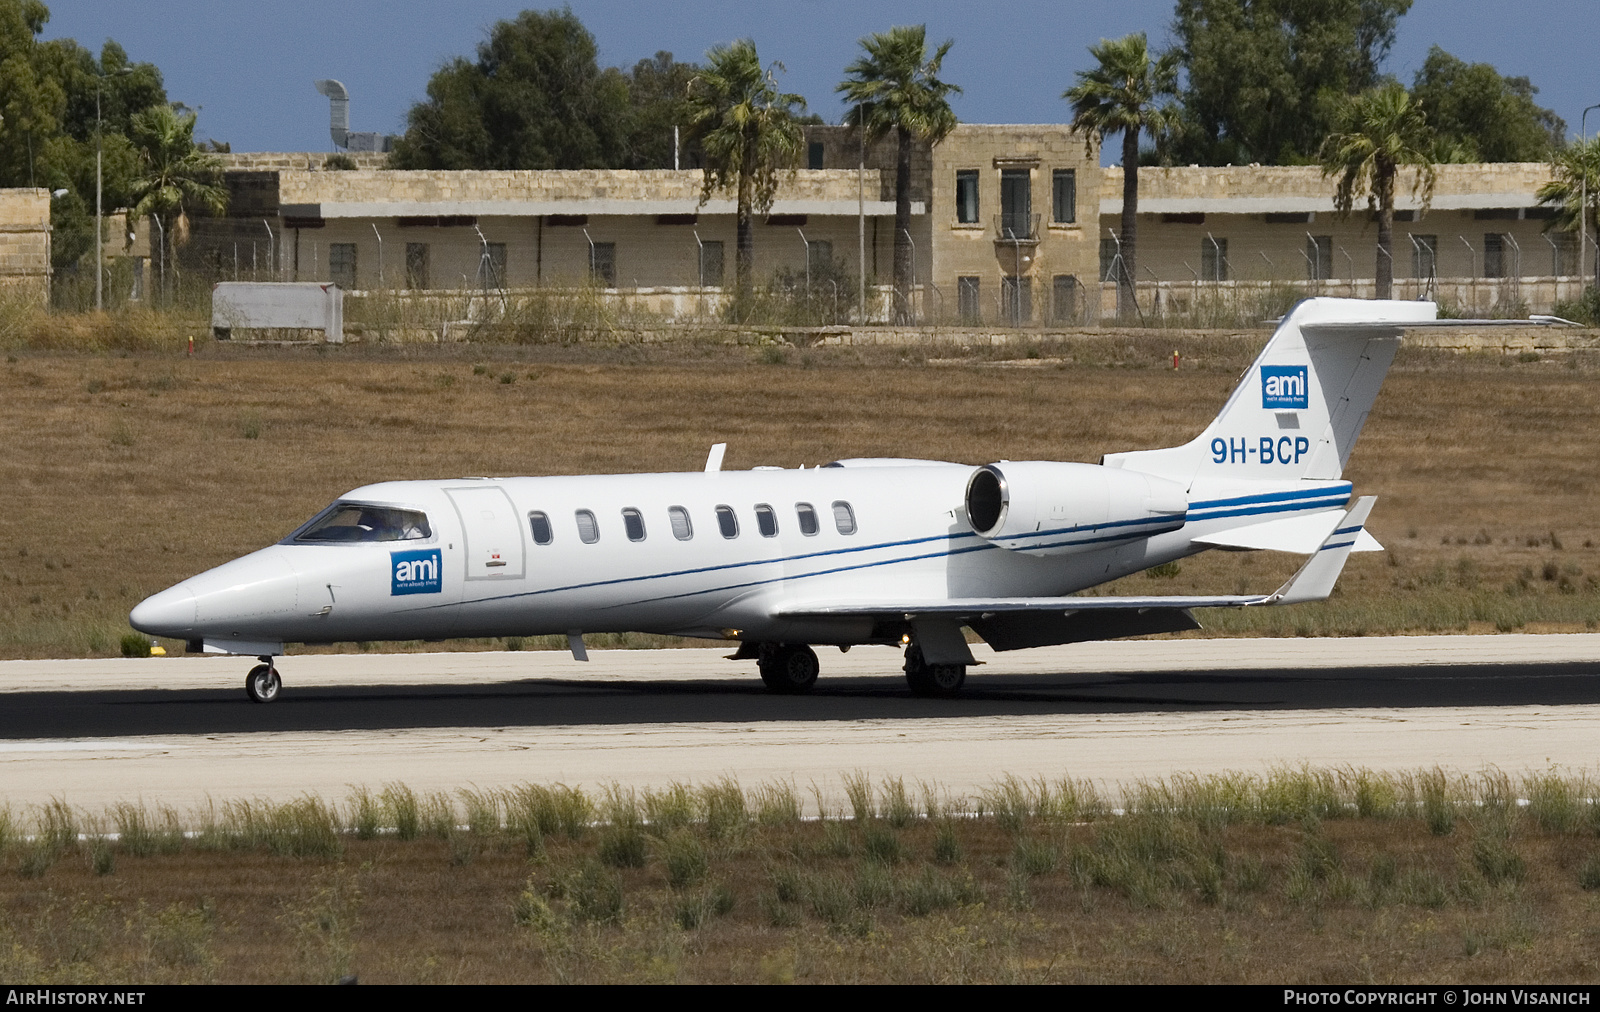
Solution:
(262, 684)
(788, 668)
(940, 680)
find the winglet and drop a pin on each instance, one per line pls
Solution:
(1315, 579)
(714, 458)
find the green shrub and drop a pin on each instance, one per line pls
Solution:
(400, 805)
(685, 858)
(1033, 857)
(596, 894)
(135, 645)
(881, 844)
(623, 846)
(946, 846)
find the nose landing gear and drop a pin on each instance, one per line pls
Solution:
(263, 684)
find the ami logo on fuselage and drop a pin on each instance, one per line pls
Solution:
(1283, 386)
(416, 572)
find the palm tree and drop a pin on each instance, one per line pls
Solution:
(1121, 94)
(749, 132)
(1380, 130)
(895, 88)
(174, 176)
(1575, 180)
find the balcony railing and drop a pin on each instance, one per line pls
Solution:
(1010, 227)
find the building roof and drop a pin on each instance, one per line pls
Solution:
(518, 193)
(1263, 189)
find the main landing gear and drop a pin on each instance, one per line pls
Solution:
(788, 668)
(942, 680)
(263, 684)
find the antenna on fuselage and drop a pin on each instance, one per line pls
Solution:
(714, 458)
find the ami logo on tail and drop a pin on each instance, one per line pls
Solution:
(1283, 386)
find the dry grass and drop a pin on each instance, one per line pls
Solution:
(1316, 876)
(127, 471)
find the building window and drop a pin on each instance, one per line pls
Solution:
(819, 256)
(603, 264)
(416, 265)
(814, 155)
(1016, 203)
(1319, 257)
(967, 196)
(1494, 255)
(1064, 196)
(682, 529)
(1213, 259)
(342, 264)
(1016, 299)
(844, 518)
(539, 524)
(807, 514)
(588, 527)
(1424, 256)
(767, 521)
(1563, 253)
(1064, 298)
(1110, 262)
(711, 264)
(967, 294)
(727, 523)
(492, 265)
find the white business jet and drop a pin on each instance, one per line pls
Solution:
(881, 550)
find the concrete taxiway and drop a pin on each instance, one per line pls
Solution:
(179, 730)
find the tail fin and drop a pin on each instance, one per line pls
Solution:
(1299, 408)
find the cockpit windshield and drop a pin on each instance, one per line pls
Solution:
(346, 521)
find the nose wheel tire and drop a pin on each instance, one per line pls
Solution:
(262, 684)
(788, 668)
(940, 680)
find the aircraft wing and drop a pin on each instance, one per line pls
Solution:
(1017, 622)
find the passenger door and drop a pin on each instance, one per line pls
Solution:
(490, 531)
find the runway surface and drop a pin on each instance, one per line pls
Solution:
(179, 730)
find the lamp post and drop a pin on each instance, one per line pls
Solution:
(1583, 201)
(99, 131)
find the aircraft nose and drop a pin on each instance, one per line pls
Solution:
(169, 613)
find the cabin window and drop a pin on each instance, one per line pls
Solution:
(633, 523)
(682, 529)
(767, 521)
(588, 527)
(539, 523)
(844, 517)
(353, 522)
(727, 522)
(808, 518)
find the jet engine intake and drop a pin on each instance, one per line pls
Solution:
(1051, 508)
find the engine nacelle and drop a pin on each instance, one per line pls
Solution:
(1049, 508)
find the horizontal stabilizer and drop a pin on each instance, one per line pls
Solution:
(1386, 327)
(1301, 535)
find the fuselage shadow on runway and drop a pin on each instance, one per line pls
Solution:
(557, 702)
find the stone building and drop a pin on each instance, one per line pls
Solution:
(1010, 225)
(1480, 243)
(25, 244)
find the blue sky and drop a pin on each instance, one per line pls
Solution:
(249, 68)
